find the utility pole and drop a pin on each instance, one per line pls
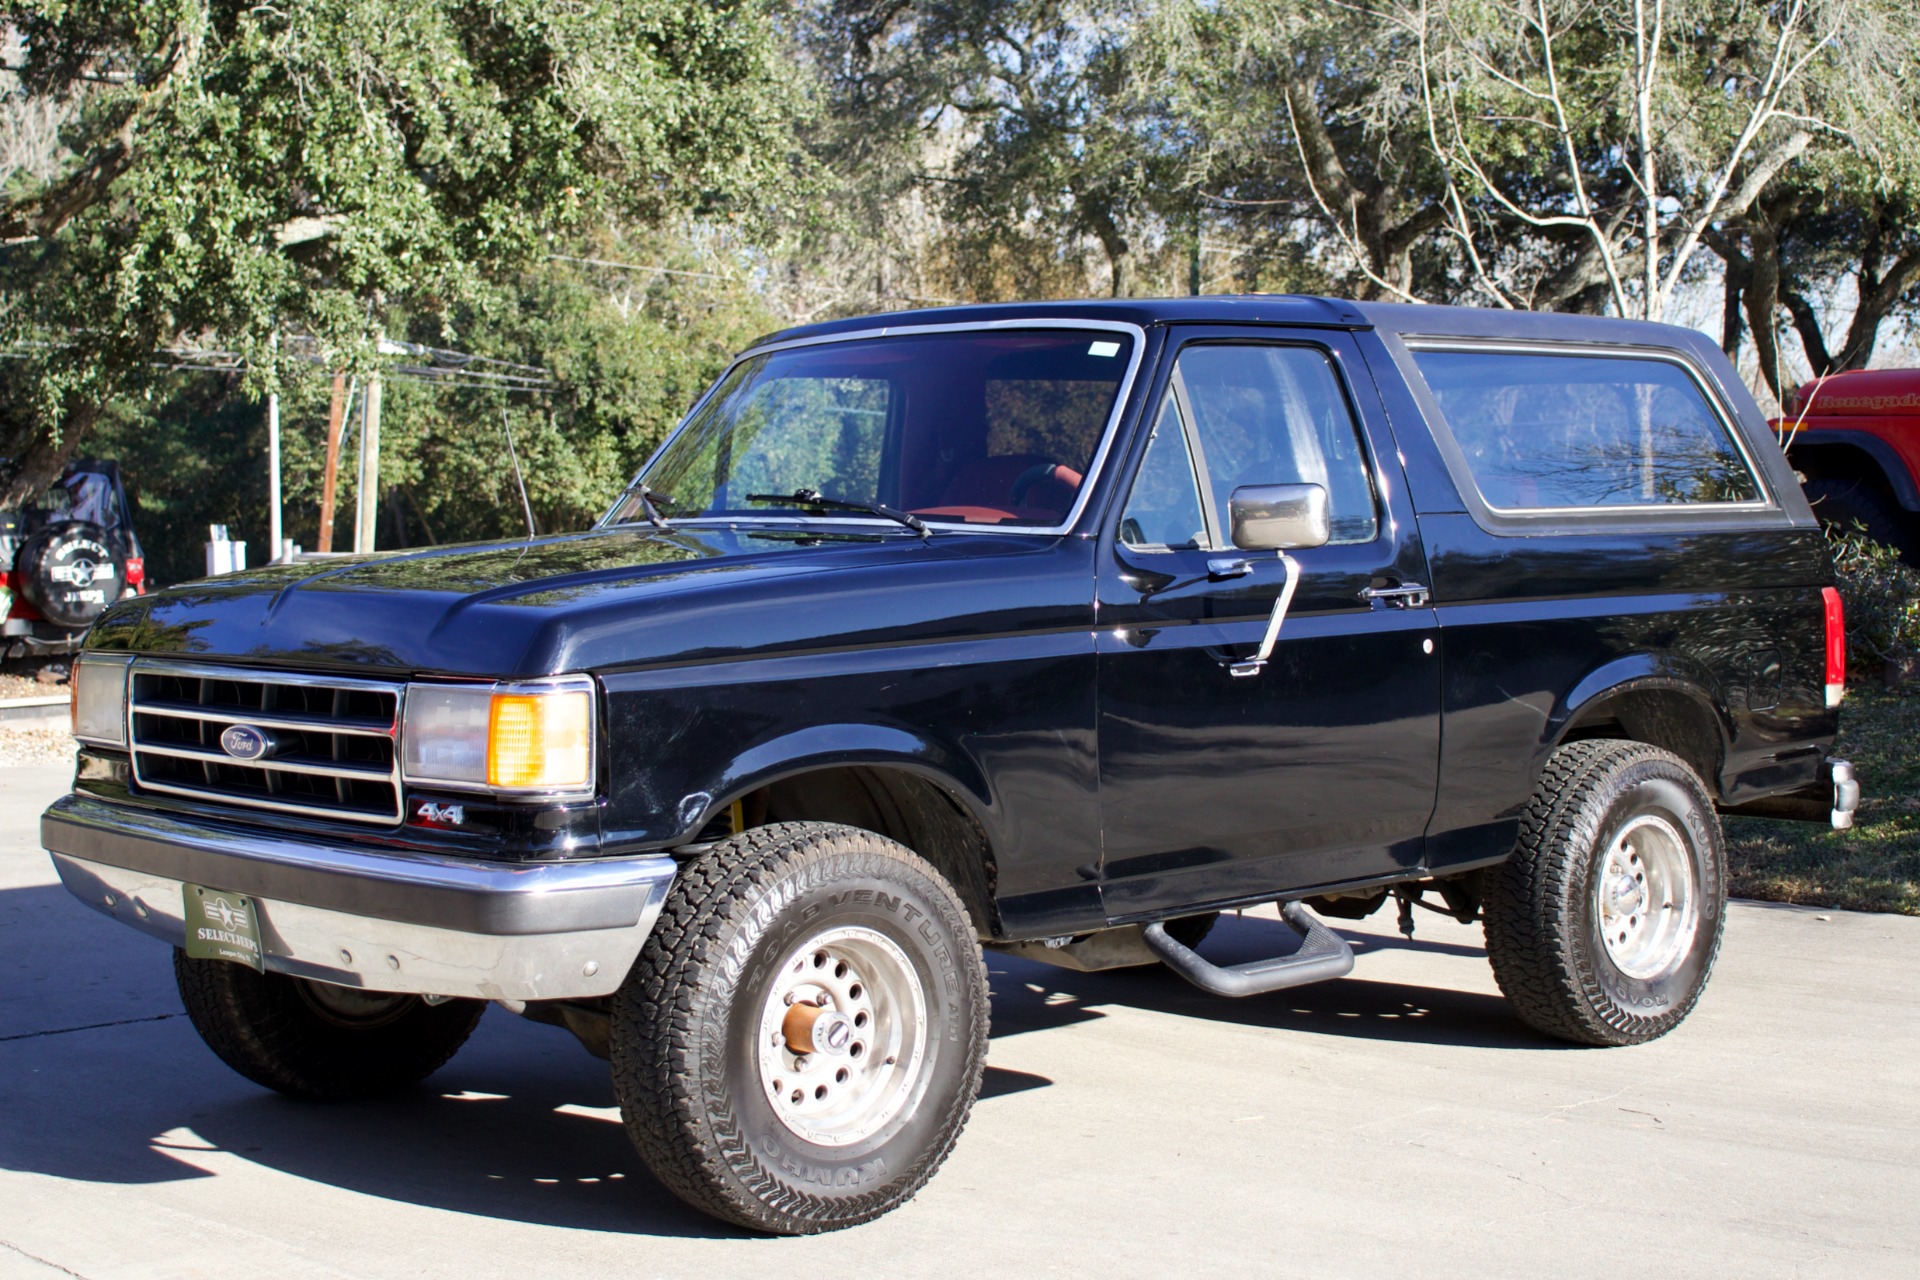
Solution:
(273, 469)
(369, 485)
(336, 419)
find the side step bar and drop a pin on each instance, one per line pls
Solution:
(1323, 956)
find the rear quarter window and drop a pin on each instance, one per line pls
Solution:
(1547, 431)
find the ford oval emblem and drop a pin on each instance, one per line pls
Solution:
(244, 742)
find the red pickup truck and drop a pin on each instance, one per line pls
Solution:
(1854, 437)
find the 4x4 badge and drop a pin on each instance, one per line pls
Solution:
(435, 814)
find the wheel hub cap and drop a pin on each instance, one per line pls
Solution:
(1627, 895)
(843, 1037)
(1646, 898)
(808, 1028)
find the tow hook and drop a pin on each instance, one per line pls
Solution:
(1846, 793)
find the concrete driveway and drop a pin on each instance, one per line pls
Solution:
(1400, 1122)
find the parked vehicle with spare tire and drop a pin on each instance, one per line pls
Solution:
(1854, 439)
(64, 558)
(1056, 629)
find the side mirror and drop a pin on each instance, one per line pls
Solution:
(1279, 517)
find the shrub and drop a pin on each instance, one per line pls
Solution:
(1882, 598)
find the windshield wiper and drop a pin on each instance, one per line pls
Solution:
(814, 498)
(638, 489)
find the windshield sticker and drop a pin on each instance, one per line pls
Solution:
(1104, 349)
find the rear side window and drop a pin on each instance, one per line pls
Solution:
(1541, 430)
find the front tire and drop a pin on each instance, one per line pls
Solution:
(312, 1040)
(1604, 924)
(804, 1034)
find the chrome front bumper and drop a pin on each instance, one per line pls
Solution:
(380, 921)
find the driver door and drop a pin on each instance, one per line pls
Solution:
(1320, 766)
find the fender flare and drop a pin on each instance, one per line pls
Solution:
(1642, 673)
(838, 746)
(1893, 467)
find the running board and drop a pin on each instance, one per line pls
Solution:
(1323, 956)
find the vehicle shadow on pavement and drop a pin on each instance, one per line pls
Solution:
(522, 1125)
(1029, 996)
(103, 1080)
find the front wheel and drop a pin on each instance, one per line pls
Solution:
(1603, 925)
(314, 1040)
(803, 1036)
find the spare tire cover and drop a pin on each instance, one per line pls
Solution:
(71, 571)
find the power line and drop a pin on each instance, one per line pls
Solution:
(459, 366)
(633, 266)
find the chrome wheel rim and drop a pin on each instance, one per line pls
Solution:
(1646, 899)
(843, 1036)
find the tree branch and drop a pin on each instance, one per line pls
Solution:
(1778, 77)
(44, 213)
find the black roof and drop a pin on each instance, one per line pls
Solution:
(1276, 309)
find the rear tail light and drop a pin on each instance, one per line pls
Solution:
(137, 573)
(1836, 646)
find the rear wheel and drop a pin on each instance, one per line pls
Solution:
(1603, 925)
(804, 1034)
(1851, 505)
(314, 1040)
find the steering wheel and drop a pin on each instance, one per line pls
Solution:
(1042, 471)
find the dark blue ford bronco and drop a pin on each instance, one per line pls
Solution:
(1050, 628)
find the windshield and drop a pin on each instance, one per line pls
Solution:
(984, 426)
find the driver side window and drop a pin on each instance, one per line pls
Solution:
(1247, 415)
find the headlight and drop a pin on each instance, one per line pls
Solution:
(533, 738)
(98, 688)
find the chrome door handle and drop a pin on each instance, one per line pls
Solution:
(1408, 596)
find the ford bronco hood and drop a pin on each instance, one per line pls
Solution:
(569, 603)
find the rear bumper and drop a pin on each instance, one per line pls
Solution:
(36, 637)
(362, 918)
(1831, 799)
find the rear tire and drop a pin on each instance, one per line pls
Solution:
(1846, 504)
(1603, 925)
(745, 1101)
(312, 1040)
(71, 571)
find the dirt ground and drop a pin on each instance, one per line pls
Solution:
(25, 679)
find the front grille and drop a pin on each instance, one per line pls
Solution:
(333, 752)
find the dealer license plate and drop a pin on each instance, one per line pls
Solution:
(223, 926)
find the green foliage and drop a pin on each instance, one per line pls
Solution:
(1290, 114)
(338, 168)
(629, 352)
(1881, 594)
(1019, 122)
(333, 171)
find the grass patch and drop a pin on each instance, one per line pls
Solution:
(1876, 865)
